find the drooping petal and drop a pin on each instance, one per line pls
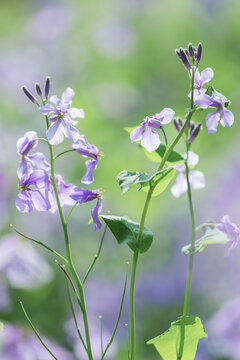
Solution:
(137, 134)
(165, 116)
(88, 177)
(212, 121)
(204, 101)
(71, 132)
(150, 140)
(24, 168)
(84, 195)
(95, 213)
(38, 160)
(67, 96)
(196, 179)
(39, 178)
(206, 75)
(180, 186)
(24, 203)
(46, 109)
(76, 113)
(40, 199)
(27, 142)
(227, 118)
(55, 133)
(64, 192)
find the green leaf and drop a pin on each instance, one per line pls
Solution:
(157, 155)
(159, 180)
(126, 231)
(180, 341)
(211, 235)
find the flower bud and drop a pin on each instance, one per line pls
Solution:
(47, 86)
(194, 133)
(176, 125)
(29, 95)
(191, 51)
(38, 89)
(184, 59)
(199, 53)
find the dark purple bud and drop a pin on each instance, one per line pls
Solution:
(194, 133)
(184, 59)
(192, 128)
(38, 89)
(47, 86)
(190, 125)
(199, 53)
(176, 125)
(191, 51)
(29, 95)
(180, 122)
(178, 53)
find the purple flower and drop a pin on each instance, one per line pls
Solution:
(62, 116)
(64, 192)
(223, 115)
(231, 229)
(83, 195)
(150, 139)
(196, 178)
(24, 145)
(34, 192)
(87, 150)
(22, 265)
(200, 79)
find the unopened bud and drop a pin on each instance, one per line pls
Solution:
(29, 95)
(38, 89)
(191, 51)
(47, 86)
(176, 125)
(180, 122)
(190, 125)
(194, 133)
(184, 59)
(199, 53)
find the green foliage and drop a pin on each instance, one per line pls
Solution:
(180, 341)
(126, 232)
(159, 181)
(211, 235)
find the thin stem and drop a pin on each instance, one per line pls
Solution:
(36, 332)
(68, 251)
(204, 225)
(101, 334)
(75, 318)
(119, 315)
(41, 139)
(127, 337)
(40, 243)
(96, 256)
(165, 136)
(70, 212)
(63, 152)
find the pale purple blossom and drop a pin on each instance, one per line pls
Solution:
(24, 145)
(149, 138)
(232, 231)
(34, 192)
(196, 178)
(22, 265)
(64, 191)
(62, 116)
(200, 79)
(83, 195)
(223, 115)
(88, 151)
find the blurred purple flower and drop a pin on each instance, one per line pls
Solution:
(16, 343)
(201, 79)
(34, 192)
(231, 229)
(83, 195)
(87, 150)
(64, 192)
(22, 265)
(150, 139)
(62, 116)
(24, 145)
(223, 115)
(5, 301)
(196, 178)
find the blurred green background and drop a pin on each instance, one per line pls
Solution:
(119, 58)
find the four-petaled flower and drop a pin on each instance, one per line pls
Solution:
(232, 231)
(196, 178)
(89, 151)
(62, 116)
(223, 115)
(201, 79)
(150, 139)
(84, 195)
(24, 145)
(34, 192)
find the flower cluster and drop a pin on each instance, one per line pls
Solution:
(38, 190)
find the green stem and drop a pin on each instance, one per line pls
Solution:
(69, 255)
(64, 152)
